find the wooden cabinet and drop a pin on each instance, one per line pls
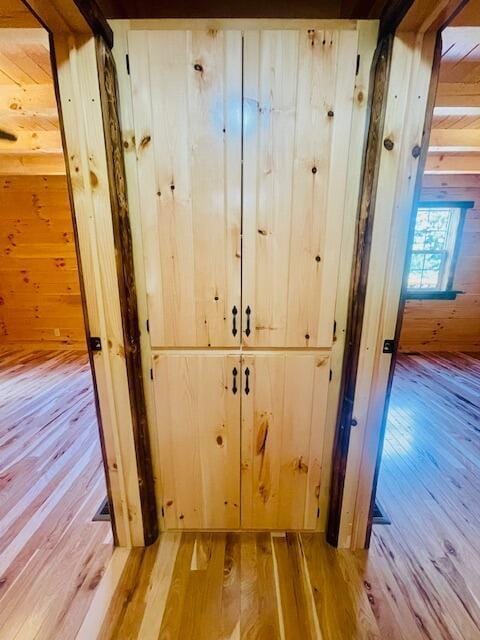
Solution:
(186, 92)
(283, 425)
(281, 398)
(248, 159)
(198, 416)
(291, 135)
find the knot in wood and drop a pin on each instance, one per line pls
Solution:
(388, 144)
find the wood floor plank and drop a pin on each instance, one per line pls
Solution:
(420, 580)
(298, 619)
(52, 556)
(259, 615)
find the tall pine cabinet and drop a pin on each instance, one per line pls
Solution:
(248, 141)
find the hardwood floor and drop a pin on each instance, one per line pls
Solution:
(52, 556)
(429, 485)
(419, 580)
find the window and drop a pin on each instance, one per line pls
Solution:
(434, 250)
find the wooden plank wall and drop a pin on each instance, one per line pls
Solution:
(450, 325)
(40, 305)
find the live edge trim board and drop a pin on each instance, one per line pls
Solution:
(408, 91)
(87, 167)
(126, 282)
(358, 283)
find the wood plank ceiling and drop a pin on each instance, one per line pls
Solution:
(30, 140)
(455, 137)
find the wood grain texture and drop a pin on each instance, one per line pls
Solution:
(283, 429)
(198, 412)
(450, 325)
(28, 110)
(297, 117)
(364, 87)
(412, 66)
(40, 303)
(135, 215)
(358, 281)
(126, 285)
(187, 108)
(80, 101)
(419, 581)
(52, 556)
(62, 17)
(454, 137)
(16, 15)
(308, 250)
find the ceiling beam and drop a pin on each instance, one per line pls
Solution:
(30, 142)
(452, 163)
(24, 37)
(44, 165)
(27, 97)
(454, 140)
(458, 94)
(443, 112)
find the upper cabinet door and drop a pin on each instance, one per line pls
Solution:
(187, 88)
(298, 105)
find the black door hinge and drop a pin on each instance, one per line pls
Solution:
(148, 325)
(334, 329)
(330, 375)
(127, 61)
(318, 512)
(358, 65)
(95, 343)
(388, 346)
(151, 374)
(163, 512)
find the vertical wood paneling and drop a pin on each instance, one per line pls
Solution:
(136, 207)
(298, 102)
(127, 286)
(187, 110)
(283, 424)
(367, 38)
(199, 439)
(406, 104)
(300, 96)
(79, 93)
(450, 325)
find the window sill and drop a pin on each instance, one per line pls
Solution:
(432, 295)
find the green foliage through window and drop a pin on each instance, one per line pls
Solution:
(432, 248)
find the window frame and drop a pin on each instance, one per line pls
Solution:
(448, 293)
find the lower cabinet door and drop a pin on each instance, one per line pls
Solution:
(198, 419)
(284, 397)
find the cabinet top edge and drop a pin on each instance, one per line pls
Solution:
(261, 351)
(253, 24)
